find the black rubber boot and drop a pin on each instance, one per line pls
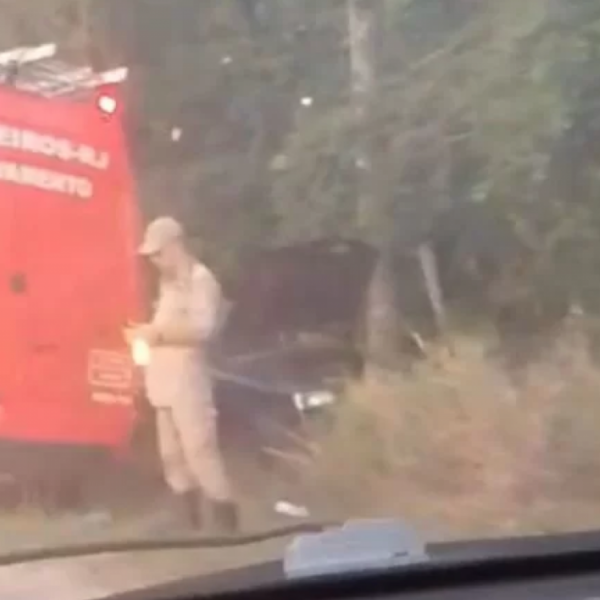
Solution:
(224, 518)
(189, 508)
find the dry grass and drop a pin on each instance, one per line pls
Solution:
(461, 449)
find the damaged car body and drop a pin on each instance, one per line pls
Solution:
(291, 340)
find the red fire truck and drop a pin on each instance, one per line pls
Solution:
(68, 270)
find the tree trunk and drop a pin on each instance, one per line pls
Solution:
(362, 29)
(381, 319)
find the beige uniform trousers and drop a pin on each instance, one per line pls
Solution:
(179, 387)
(189, 449)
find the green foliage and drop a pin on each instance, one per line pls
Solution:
(474, 102)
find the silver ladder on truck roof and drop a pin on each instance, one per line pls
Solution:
(36, 69)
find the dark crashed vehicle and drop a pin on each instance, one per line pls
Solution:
(290, 342)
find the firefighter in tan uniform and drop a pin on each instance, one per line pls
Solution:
(178, 382)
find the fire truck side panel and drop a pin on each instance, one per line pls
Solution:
(68, 214)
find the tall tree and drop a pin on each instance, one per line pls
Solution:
(381, 315)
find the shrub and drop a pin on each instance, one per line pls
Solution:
(460, 448)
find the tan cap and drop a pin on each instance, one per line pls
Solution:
(159, 234)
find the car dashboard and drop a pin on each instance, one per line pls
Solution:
(541, 568)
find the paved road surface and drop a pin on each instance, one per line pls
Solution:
(97, 577)
(88, 578)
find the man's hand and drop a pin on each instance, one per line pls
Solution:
(146, 332)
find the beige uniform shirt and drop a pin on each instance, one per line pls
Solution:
(178, 373)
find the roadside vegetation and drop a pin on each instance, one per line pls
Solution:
(465, 448)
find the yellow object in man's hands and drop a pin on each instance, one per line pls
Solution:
(137, 339)
(140, 352)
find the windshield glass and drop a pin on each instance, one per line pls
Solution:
(264, 261)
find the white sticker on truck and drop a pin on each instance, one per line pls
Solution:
(110, 370)
(112, 398)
